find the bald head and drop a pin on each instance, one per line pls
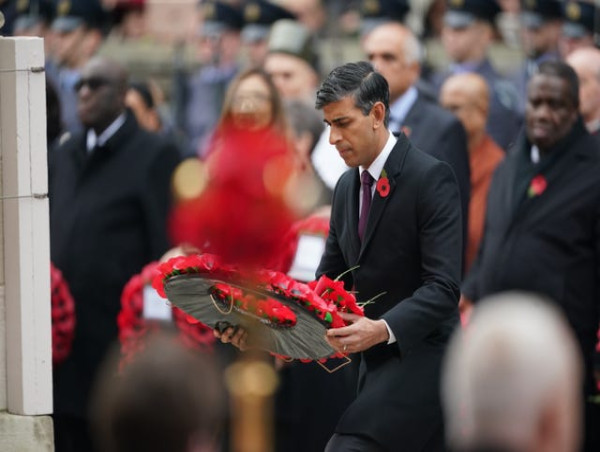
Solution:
(467, 96)
(512, 378)
(586, 63)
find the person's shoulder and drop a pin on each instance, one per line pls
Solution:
(438, 115)
(418, 162)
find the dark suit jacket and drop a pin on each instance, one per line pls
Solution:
(108, 214)
(548, 244)
(412, 251)
(440, 134)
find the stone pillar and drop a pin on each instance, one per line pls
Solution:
(25, 326)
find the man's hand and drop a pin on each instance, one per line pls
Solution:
(234, 335)
(361, 335)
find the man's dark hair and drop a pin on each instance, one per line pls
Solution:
(358, 80)
(562, 70)
(143, 89)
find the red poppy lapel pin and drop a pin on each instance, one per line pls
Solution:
(537, 186)
(383, 184)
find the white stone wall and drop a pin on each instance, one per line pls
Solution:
(25, 327)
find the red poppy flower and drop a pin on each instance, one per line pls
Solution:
(383, 186)
(538, 186)
(63, 316)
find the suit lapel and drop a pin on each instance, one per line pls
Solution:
(393, 168)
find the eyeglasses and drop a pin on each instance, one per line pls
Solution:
(93, 83)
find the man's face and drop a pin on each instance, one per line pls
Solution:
(472, 117)
(385, 50)
(538, 40)
(100, 99)
(550, 112)
(351, 132)
(293, 77)
(67, 46)
(467, 43)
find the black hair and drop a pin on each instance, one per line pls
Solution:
(143, 89)
(562, 70)
(358, 80)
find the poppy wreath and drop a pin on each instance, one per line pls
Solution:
(134, 329)
(324, 298)
(63, 316)
(264, 309)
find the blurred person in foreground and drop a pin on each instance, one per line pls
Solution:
(542, 224)
(511, 379)
(109, 190)
(586, 62)
(541, 25)
(468, 97)
(467, 36)
(578, 27)
(168, 399)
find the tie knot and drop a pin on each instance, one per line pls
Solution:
(366, 179)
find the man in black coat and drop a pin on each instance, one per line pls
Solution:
(542, 230)
(396, 53)
(109, 199)
(404, 235)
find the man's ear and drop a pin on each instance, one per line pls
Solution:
(378, 113)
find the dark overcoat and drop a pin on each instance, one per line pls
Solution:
(411, 251)
(108, 215)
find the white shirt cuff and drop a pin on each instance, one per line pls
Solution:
(392, 338)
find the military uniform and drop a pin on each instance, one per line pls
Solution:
(504, 121)
(535, 14)
(70, 15)
(205, 89)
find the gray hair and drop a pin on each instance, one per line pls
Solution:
(515, 357)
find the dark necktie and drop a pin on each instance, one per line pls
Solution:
(366, 181)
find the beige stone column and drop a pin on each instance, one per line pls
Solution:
(25, 327)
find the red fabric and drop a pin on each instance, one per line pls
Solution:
(243, 215)
(483, 161)
(63, 316)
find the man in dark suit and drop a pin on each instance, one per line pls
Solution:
(542, 230)
(401, 229)
(396, 54)
(109, 198)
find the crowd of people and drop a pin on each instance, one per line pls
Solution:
(494, 185)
